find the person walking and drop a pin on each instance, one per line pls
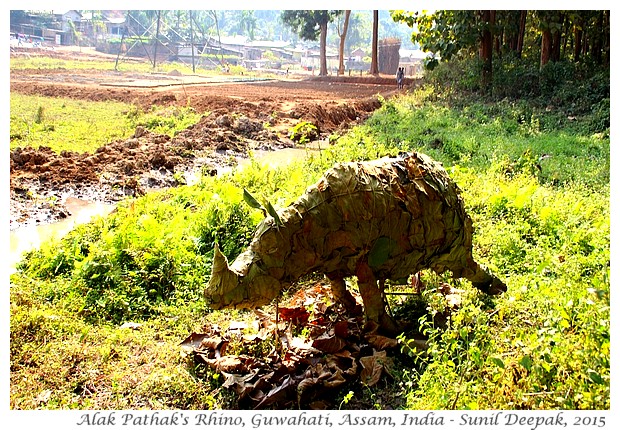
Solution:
(400, 77)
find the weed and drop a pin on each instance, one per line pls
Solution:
(304, 132)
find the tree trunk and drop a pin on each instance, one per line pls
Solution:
(556, 42)
(486, 50)
(498, 41)
(343, 36)
(606, 37)
(521, 36)
(323, 71)
(545, 47)
(597, 43)
(577, 51)
(374, 63)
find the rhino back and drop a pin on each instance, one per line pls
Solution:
(401, 214)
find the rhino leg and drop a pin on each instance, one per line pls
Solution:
(373, 298)
(340, 292)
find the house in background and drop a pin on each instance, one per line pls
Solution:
(413, 61)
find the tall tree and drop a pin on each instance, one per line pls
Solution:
(343, 36)
(486, 48)
(310, 24)
(374, 61)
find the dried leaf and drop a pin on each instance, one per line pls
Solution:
(341, 329)
(329, 343)
(371, 370)
(380, 342)
(298, 316)
(302, 346)
(233, 364)
(201, 341)
(335, 380)
(344, 361)
(276, 394)
(373, 366)
(239, 383)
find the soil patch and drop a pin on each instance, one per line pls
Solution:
(237, 116)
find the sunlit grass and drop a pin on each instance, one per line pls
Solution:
(84, 126)
(542, 227)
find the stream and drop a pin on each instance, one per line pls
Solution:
(27, 238)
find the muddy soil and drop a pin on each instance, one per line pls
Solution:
(234, 111)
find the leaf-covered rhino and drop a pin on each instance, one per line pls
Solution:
(376, 220)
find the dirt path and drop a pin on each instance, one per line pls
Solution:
(235, 110)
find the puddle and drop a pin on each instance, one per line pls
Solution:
(276, 158)
(30, 237)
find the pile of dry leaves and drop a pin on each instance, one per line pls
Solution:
(313, 348)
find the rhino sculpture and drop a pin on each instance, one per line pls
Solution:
(376, 220)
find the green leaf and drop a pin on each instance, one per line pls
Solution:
(526, 362)
(251, 201)
(595, 377)
(497, 361)
(271, 211)
(380, 251)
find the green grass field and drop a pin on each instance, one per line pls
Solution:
(537, 189)
(84, 126)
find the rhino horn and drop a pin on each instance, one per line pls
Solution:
(223, 281)
(220, 263)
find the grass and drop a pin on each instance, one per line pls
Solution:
(537, 190)
(84, 126)
(140, 66)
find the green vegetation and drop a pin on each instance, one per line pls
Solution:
(303, 132)
(83, 126)
(535, 182)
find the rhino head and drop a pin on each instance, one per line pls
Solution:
(243, 284)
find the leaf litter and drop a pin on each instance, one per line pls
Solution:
(316, 347)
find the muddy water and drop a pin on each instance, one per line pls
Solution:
(31, 237)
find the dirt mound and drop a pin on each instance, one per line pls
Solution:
(148, 160)
(240, 113)
(335, 117)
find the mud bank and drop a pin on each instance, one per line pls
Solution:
(41, 179)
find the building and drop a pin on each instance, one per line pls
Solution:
(413, 61)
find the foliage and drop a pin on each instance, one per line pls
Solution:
(444, 32)
(517, 39)
(304, 132)
(535, 183)
(570, 95)
(307, 23)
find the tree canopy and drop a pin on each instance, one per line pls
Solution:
(309, 25)
(547, 35)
